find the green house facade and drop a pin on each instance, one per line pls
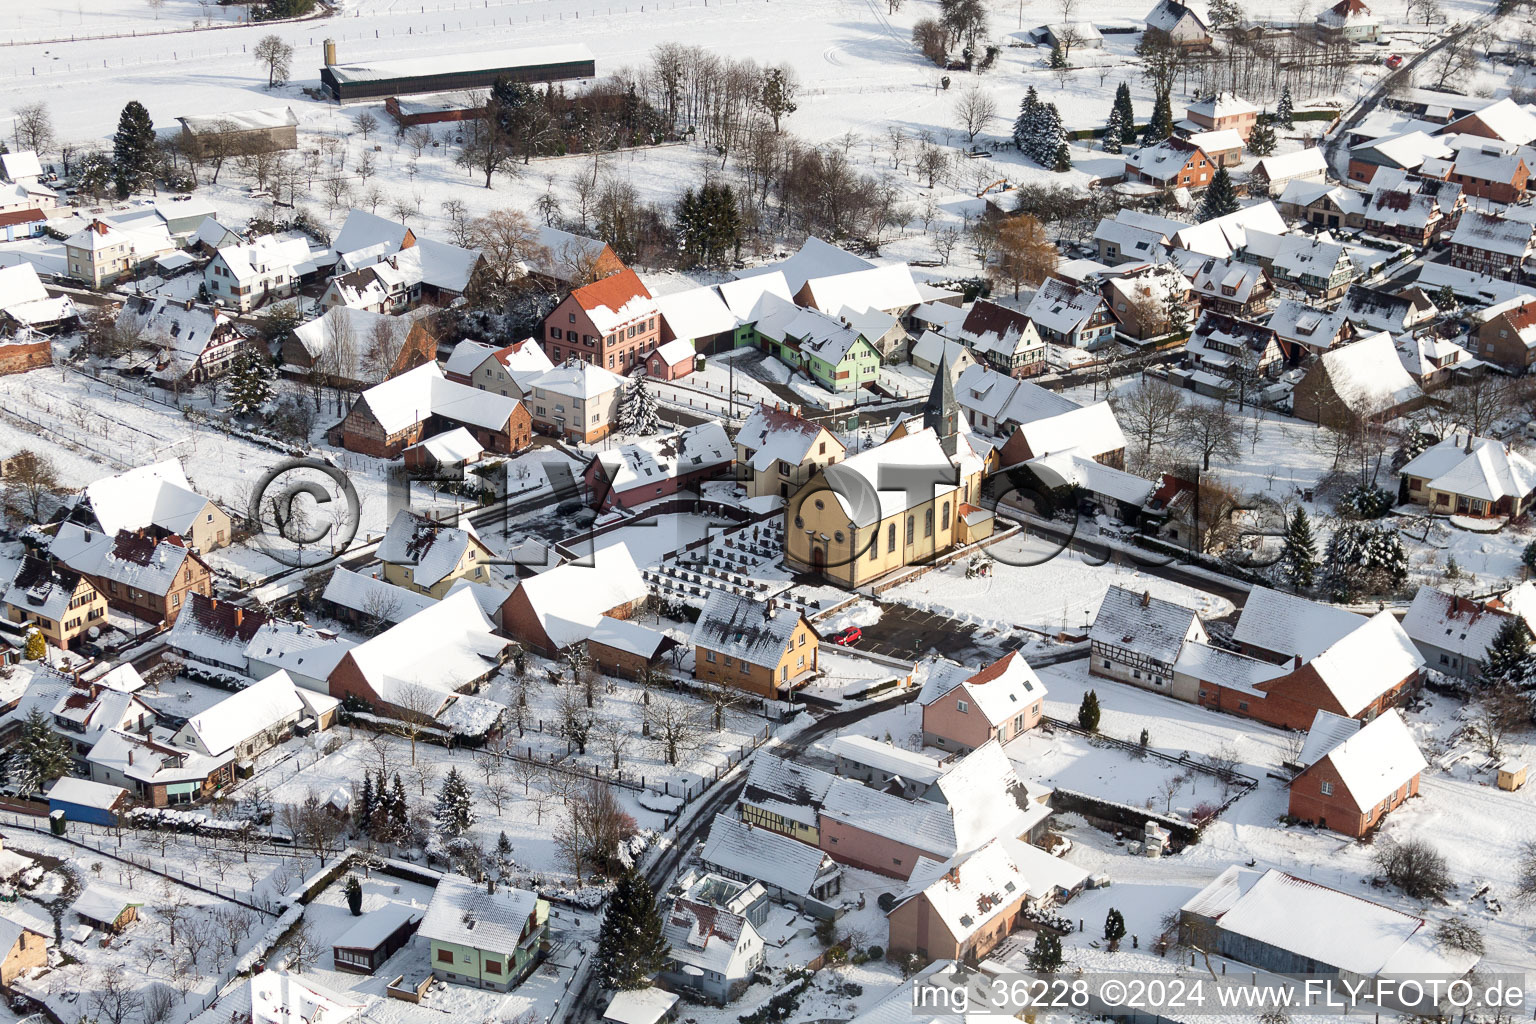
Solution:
(829, 350)
(484, 936)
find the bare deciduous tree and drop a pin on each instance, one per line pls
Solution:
(276, 56)
(974, 110)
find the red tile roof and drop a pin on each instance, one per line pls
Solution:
(612, 291)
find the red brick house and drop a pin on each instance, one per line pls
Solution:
(1490, 173)
(553, 609)
(1354, 774)
(641, 471)
(149, 573)
(392, 416)
(1172, 163)
(611, 323)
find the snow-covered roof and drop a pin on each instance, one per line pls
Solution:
(777, 435)
(371, 929)
(364, 230)
(630, 636)
(448, 644)
(1300, 163)
(1168, 13)
(309, 652)
(1133, 240)
(1488, 164)
(654, 460)
(982, 793)
(463, 913)
(569, 599)
(1140, 622)
(267, 254)
(1062, 307)
(1367, 376)
(215, 631)
(757, 632)
(1373, 762)
(279, 997)
(42, 587)
(1075, 469)
(1488, 233)
(742, 297)
(1302, 324)
(496, 60)
(259, 119)
(100, 904)
(640, 1006)
(738, 848)
(863, 483)
(888, 288)
(1360, 937)
(1087, 431)
(1220, 141)
(85, 793)
(1227, 279)
(576, 379)
(451, 446)
(940, 315)
(20, 165)
(181, 328)
(1208, 664)
(614, 301)
(702, 936)
(1489, 471)
(969, 891)
(1163, 160)
(445, 266)
(791, 789)
(126, 558)
(246, 713)
(431, 549)
(1291, 626)
(887, 758)
(999, 691)
(467, 356)
(1328, 730)
(20, 284)
(411, 397)
(932, 347)
(371, 595)
(816, 258)
(696, 313)
(1367, 662)
(1508, 121)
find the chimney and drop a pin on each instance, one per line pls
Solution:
(189, 305)
(239, 616)
(1146, 598)
(490, 886)
(130, 755)
(330, 53)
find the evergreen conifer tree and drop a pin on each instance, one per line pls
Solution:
(398, 810)
(37, 646)
(1088, 712)
(40, 755)
(1284, 115)
(454, 811)
(1063, 161)
(1045, 956)
(1509, 653)
(1127, 114)
(1114, 927)
(637, 407)
(1299, 557)
(1261, 141)
(133, 148)
(365, 801)
(1113, 130)
(503, 854)
(1160, 126)
(1024, 124)
(1220, 196)
(1057, 58)
(250, 384)
(630, 944)
(354, 892)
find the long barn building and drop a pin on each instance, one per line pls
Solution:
(415, 76)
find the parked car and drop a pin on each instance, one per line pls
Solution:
(1395, 61)
(848, 637)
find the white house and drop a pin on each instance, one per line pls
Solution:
(255, 719)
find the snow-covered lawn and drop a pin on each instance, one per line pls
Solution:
(1036, 585)
(652, 539)
(1065, 760)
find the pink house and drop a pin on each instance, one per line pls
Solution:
(671, 361)
(643, 471)
(999, 702)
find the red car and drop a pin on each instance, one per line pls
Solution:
(848, 637)
(1395, 61)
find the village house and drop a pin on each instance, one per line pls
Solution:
(1071, 315)
(1005, 339)
(1251, 917)
(862, 518)
(827, 348)
(963, 710)
(760, 646)
(56, 601)
(1224, 111)
(1273, 174)
(960, 909)
(1431, 359)
(506, 370)
(22, 948)
(777, 452)
(564, 260)
(611, 323)
(215, 633)
(429, 271)
(889, 289)
(1141, 299)
(486, 936)
(85, 713)
(1040, 428)
(1224, 148)
(1492, 245)
(698, 317)
(1470, 476)
(1349, 20)
(146, 573)
(789, 871)
(1355, 773)
(442, 456)
(575, 401)
(276, 996)
(1170, 164)
(1503, 119)
(640, 471)
(256, 719)
(560, 606)
(1376, 309)
(367, 238)
(1131, 236)
(1489, 172)
(885, 766)
(1362, 380)
(429, 557)
(1305, 330)
(1227, 286)
(672, 360)
(248, 275)
(1234, 349)
(1281, 628)
(1505, 333)
(25, 304)
(1416, 212)
(155, 772)
(711, 951)
(1323, 204)
(1136, 638)
(1405, 152)
(193, 343)
(389, 417)
(365, 598)
(1316, 264)
(1452, 632)
(349, 348)
(1179, 24)
(101, 253)
(422, 666)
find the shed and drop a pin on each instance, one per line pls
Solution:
(374, 938)
(641, 1006)
(1512, 775)
(106, 908)
(84, 800)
